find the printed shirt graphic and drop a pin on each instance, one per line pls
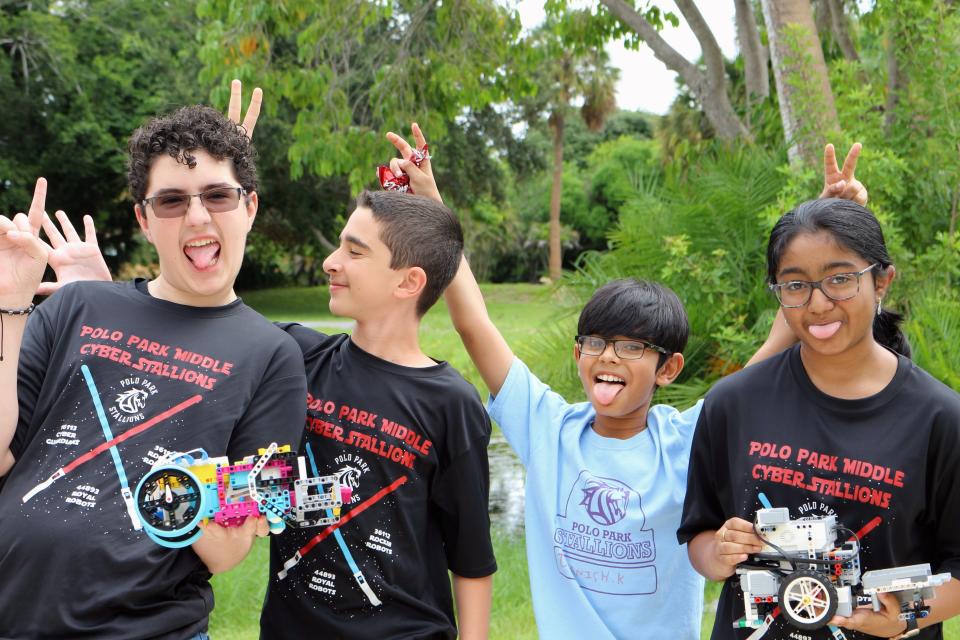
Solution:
(601, 516)
(411, 443)
(102, 363)
(887, 466)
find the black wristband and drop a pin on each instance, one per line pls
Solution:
(19, 312)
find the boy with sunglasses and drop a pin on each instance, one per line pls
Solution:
(107, 378)
(605, 478)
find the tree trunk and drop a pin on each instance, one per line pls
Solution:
(895, 76)
(806, 100)
(710, 88)
(754, 55)
(557, 122)
(841, 29)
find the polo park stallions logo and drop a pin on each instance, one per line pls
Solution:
(600, 541)
(129, 403)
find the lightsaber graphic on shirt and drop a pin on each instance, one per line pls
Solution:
(344, 549)
(323, 535)
(123, 437)
(125, 492)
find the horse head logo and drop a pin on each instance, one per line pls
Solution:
(132, 400)
(349, 476)
(606, 504)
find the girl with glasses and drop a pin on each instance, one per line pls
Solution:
(843, 424)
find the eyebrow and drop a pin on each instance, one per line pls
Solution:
(826, 267)
(208, 187)
(355, 240)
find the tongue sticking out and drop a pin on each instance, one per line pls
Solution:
(605, 392)
(824, 331)
(203, 257)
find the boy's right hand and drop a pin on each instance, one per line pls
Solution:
(23, 256)
(735, 541)
(421, 178)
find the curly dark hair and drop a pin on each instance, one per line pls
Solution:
(186, 130)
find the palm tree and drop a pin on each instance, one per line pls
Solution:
(567, 75)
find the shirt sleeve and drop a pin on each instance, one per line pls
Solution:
(34, 363)
(277, 411)
(463, 501)
(702, 507)
(943, 478)
(526, 409)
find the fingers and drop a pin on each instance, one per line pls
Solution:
(253, 111)
(402, 145)
(56, 239)
(68, 231)
(89, 231)
(37, 206)
(418, 135)
(850, 163)
(236, 91)
(830, 161)
(834, 190)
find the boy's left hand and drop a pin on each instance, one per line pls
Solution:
(843, 183)
(885, 623)
(71, 258)
(421, 178)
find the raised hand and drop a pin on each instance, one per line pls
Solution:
(253, 109)
(23, 256)
(839, 183)
(421, 178)
(71, 258)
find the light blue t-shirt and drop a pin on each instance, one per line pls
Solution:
(602, 516)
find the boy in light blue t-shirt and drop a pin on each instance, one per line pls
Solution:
(606, 478)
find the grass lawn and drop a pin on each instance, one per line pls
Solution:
(522, 313)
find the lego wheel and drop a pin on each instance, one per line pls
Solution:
(170, 502)
(807, 599)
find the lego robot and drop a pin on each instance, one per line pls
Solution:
(803, 570)
(183, 489)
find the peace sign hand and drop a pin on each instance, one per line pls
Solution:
(71, 258)
(253, 109)
(23, 256)
(421, 178)
(839, 183)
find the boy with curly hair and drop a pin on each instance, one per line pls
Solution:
(106, 378)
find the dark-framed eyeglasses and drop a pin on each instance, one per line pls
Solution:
(174, 205)
(625, 349)
(838, 287)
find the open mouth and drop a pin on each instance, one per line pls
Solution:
(606, 387)
(203, 254)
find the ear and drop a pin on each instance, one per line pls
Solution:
(144, 223)
(883, 282)
(576, 353)
(670, 369)
(252, 205)
(412, 284)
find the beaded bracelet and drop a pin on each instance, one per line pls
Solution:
(25, 311)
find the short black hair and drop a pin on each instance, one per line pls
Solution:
(419, 232)
(637, 309)
(188, 129)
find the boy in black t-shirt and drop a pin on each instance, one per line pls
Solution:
(107, 378)
(406, 432)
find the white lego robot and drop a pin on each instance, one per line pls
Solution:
(803, 570)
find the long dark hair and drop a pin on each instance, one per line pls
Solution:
(853, 227)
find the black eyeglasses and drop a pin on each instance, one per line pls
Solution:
(174, 205)
(626, 349)
(838, 287)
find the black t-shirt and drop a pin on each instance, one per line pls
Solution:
(101, 361)
(412, 444)
(887, 466)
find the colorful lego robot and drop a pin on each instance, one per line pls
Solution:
(803, 571)
(183, 489)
